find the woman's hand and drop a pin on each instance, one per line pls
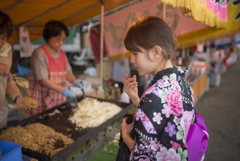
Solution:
(126, 128)
(5, 71)
(130, 87)
(126, 133)
(20, 99)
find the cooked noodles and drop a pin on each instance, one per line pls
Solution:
(27, 103)
(37, 137)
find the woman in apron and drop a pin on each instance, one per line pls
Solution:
(50, 69)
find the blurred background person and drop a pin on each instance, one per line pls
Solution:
(7, 85)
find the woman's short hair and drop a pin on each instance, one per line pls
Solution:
(54, 28)
(5, 24)
(148, 32)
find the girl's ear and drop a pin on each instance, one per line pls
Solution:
(157, 52)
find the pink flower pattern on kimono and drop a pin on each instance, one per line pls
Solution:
(144, 159)
(154, 147)
(181, 70)
(157, 117)
(160, 83)
(148, 91)
(186, 121)
(175, 102)
(167, 155)
(137, 114)
(192, 94)
(175, 85)
(176, 146)
(146, 122)
(167, 110)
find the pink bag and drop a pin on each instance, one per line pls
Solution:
(197, 139)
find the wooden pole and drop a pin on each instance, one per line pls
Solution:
(164, 11)
(101, 44)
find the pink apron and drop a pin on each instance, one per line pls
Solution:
(46, 97)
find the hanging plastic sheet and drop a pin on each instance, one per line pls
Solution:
(210, 12)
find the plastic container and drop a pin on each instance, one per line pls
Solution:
(215, 79)
(108, 93)
(125, 98)
(100, 93)
(10, 151)
(116, 92)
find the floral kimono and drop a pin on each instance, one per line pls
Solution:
(163, 118)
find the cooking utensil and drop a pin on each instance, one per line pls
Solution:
(82, 89)
(74, 99)
(21, 81)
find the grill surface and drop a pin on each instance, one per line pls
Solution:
(86, 141)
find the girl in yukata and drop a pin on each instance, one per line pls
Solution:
(166, 109)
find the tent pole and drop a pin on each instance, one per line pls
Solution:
(45, 13)
(12, 6)
(164, 11)
(101, 44)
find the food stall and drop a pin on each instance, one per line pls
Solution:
(198, 74)
(86, 141)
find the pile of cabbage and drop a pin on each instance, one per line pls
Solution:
(91, 113)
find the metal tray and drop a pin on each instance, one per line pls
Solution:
(86, 141)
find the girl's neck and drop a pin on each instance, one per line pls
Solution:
(167, 65)
(51, 49)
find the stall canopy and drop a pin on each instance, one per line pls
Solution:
(35, 13)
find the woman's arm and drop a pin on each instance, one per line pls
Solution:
(128, 141)
(51, 85)
(12, 89)
(71, 78)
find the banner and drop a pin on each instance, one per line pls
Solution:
(116, 25)
(24, 42)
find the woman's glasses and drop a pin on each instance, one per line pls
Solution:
(59, 40)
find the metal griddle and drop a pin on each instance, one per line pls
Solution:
(86, 141)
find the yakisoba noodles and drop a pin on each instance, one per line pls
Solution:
(27, 103)
(37, 137)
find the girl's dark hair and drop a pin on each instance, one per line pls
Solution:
(54, 28)
(5, 24)
(148, 32)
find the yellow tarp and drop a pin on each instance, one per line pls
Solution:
(37, 12)
(211, 33)
(199, 10)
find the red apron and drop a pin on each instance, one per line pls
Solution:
(45, 97)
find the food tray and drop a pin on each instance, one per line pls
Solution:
(86, 141)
